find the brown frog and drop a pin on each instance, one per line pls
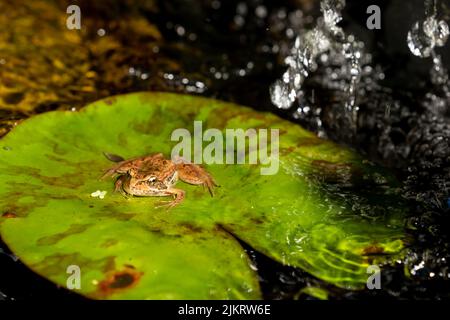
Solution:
(155, 176)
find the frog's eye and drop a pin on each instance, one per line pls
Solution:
(152, 179)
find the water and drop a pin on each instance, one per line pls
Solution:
(409, 132)
(324, 46)
(422, 40)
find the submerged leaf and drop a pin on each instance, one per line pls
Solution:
(326, 210)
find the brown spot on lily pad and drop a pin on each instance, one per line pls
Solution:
(9, 215)
(110, 101)
(190, 228)
(286, 151)
(119, 280)
(373, 250)
(110, 242)
(309, 142)
(257, 220)
(53, 239)
(330, 166)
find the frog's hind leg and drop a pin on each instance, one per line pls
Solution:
(124, 166)
(196, 175)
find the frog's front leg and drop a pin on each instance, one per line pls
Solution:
(178, 195)
(120, 184)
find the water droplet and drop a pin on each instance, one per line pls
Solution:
(261, 12)
(441, 33)
(424, 36)
(331, 10)
(101, 32)
(216, 4)
(180, 31)
(192, 37)
(241, 8)
(239, 21)
(282, 94)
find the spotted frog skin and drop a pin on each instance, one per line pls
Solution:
(155, 176)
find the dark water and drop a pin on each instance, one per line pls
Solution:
(233, 50)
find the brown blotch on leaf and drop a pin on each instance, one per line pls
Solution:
(190, 228)
(330, 166)
(286, 151)
(309, 142)
(373, 250)
(110, 101)
(55, 238)
(119, 280)
(9, 215)
(110, 242)
(257, 220)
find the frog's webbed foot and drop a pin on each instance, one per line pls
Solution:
(178, 198)
(196, 175)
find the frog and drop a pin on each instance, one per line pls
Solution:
(155, 176)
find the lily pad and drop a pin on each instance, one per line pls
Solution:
(327, 210)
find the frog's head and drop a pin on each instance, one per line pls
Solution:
(149, 179)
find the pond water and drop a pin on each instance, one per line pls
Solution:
(234, 51)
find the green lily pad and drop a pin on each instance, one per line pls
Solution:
(327, 210)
